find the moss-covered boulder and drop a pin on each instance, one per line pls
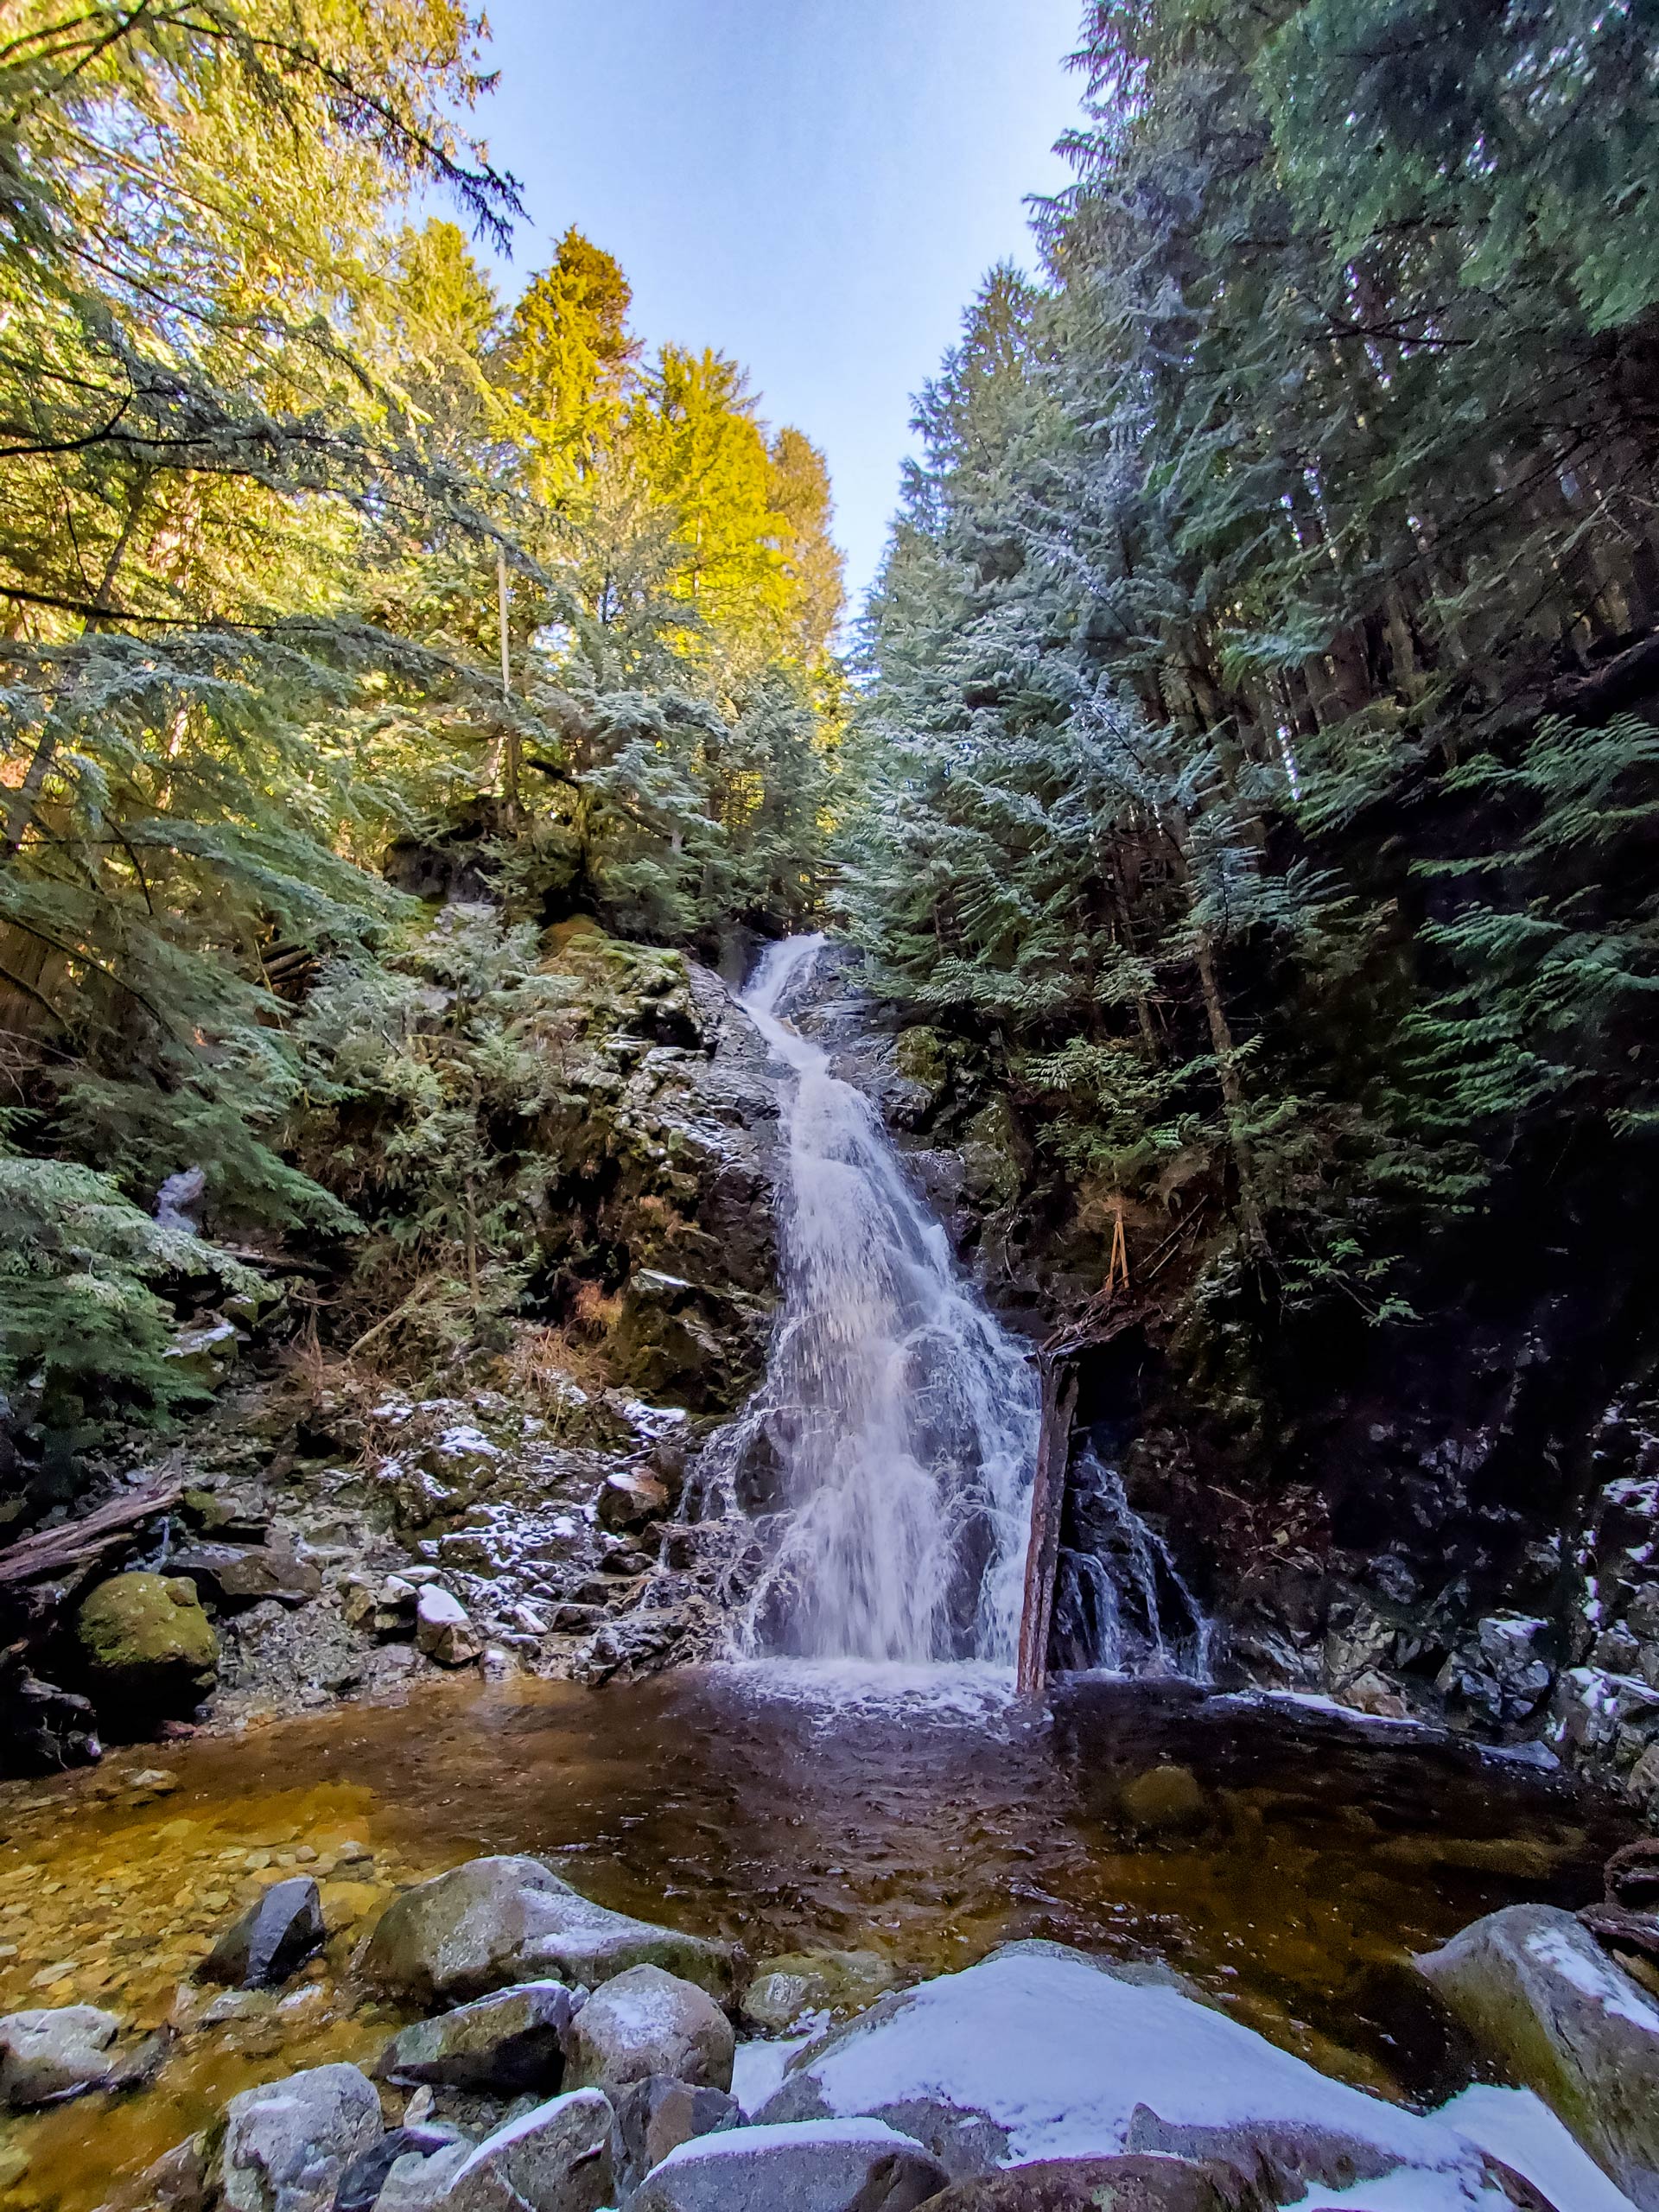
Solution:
(919, 1056)
(994, 1156)
(146, 1644)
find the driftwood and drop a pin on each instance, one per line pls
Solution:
(81, 1543)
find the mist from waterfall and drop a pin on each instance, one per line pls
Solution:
(901, 1418)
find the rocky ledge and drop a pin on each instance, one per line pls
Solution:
(569, 2058)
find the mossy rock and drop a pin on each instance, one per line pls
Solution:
(919, 1056)
(992, 1154)
(147, 1642)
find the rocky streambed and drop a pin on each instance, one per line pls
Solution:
(258, 1948)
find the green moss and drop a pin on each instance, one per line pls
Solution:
(142, 1627)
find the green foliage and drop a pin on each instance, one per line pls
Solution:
(85, 1321)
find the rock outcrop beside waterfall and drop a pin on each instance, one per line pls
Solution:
(315, 1502)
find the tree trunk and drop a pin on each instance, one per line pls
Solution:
(1059, 1400)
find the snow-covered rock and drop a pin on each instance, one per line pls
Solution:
(555, 2158)
(1038, 2053)
(1534, 1985)
(815, 2166)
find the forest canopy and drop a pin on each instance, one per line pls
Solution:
(316, 553)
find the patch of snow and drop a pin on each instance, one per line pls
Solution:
(1077, 2051)
(1407, 2189)
(653, 1420)
(1517, 2126)
(1593, 1978)
(1316, 1701)
(464, 1441)
(437, 1608)
(758, 2066)
(738, 2142)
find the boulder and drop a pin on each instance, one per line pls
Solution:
(235, 1576)
(147, 1644)
(288, 2144)
(1536, 1989)
(1164, 1800)
(789, 1987)
(655, 2116)
(1085, 2064)
(54, 2052)
(646, 2021)
(838, 2166)
(279, 1931)
(508, 2043)
(364, 2179)
(555, 2158)
(1132, 2183)
(441, 1628)
(501, 1920)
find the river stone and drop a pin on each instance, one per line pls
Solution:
(555, 2158)
(288, 2144)
(496, 1921)
(841, 2166)
(279, 1931)
(1133, 2183)
(1537, 1989)
(509, 2042)
(147, 1642)
(786, 1988)
(364, 2179)
(1085, 2064)
(1164, 1798)
(646, 2021)
(653, 2117)
(54, 2052)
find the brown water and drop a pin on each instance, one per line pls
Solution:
(743, 1804)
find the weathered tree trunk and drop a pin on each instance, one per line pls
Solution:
(1059, 1400)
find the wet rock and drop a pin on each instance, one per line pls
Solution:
(364, 2179)
(655, 2115)
(442, 1629)
(273, 1939)
(1132, 2183)
(555, 2158)
(500, 1920)
(628, 1501)
(646, 2021)
(787, 1988)
(1537, 1990)
(146, 1644)
(1119, 2066)
(288, 2144)
(508, 2043)
(1164, 1799)
(847, 2166)
(51, 2054)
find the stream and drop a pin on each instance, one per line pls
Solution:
(918, 1812)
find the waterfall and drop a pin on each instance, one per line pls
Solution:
(888, 1457)
(1120, 1602)
(897, 1421)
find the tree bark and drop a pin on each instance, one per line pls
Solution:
(1059, 1400)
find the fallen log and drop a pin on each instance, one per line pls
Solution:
(80, 1544)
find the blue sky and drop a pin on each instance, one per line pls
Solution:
(815, 187)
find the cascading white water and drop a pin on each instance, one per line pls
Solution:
(901, 1418)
